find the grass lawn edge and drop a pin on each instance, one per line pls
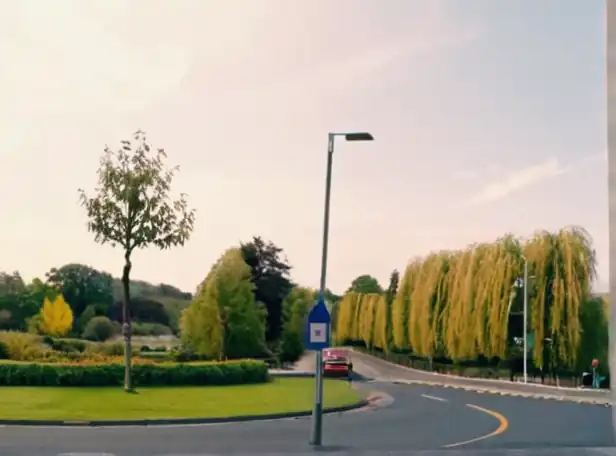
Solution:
(135, 415)
(362, 402)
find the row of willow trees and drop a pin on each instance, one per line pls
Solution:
(459, 304)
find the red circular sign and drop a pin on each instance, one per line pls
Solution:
(595, 362)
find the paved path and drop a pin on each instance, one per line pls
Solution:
(421, 418)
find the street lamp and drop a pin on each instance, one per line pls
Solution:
(525, 326)
(317, 411)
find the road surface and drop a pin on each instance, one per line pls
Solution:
(421, 418)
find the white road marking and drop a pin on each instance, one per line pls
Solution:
(434, 398)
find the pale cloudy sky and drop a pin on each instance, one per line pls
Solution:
(489, 117)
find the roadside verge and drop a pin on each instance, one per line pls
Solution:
(395, 373)
(182, 421)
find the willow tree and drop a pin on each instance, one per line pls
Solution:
(564, 266)
(224, 320)
(401, 307)
(380, 330)
(369, 309)
(132, 207)
(295, 309)
(428, 299)
(346, 313)
(358, 308)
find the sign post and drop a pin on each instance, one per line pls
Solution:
(318, 335)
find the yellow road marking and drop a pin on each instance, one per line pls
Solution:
(504, 424)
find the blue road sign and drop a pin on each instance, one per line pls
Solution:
(319, 325)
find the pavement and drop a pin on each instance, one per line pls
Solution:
(422, 420)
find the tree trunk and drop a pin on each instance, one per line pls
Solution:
(127, 326)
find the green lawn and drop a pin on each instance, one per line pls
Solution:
(281, 395)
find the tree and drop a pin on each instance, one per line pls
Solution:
(57, 317)
(365, 284)
(81, 285)
(224, 321)
(270, 276)
(458, 304)
(385, 317)
(295, 309)
(132, 207)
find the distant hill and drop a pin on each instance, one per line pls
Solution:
(174, 299)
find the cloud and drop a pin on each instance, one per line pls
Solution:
(517, 180)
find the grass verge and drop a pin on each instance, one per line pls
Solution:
(279, 396)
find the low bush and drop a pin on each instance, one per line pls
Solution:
(21, 346)
(99, 329)
(66, 345)
(4, 350)
(150, 329)
(112, 374)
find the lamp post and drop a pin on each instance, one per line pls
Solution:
(525, 325)
(317, 411)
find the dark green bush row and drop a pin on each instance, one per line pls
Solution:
(228, 373)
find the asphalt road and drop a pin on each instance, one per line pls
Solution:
(421, 418)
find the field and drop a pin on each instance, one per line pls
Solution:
(280, 395)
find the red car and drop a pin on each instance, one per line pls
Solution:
(337, 362)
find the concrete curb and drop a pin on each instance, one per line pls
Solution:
(180, 421)
(502, 392)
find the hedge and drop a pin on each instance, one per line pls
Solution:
(210, 373)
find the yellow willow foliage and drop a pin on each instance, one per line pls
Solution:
(458, 304)
(563, 266)
(401, 307)
(346, 316)
(358, 299)
(369, 307)
(381, 336)
(427, 299)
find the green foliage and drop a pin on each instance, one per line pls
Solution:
(151, 329)
(4, 350)
(132, 206)
(81, 285)
(365, 284)
(21, 346)
(225, 373)
(595, 335)
(270, 277)
(295, 309)
(224, 321)
(99, 329)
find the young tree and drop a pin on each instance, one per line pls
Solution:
(57, 317)
(132, 207)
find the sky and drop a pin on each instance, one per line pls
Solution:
(489, 118)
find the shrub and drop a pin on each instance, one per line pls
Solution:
(92, 374)
(4, 350)
(22, 346)
(99, 329)
(66, 345)
(291, 347)
(151, 329)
